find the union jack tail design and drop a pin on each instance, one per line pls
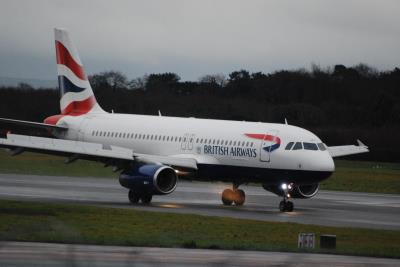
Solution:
(76, 94)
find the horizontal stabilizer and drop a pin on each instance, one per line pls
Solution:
(32, 124)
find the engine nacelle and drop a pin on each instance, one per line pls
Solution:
(297, 191)
(151, 179)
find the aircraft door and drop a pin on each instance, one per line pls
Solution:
(187, 142)
(184, 143)
(190, 141)
(270, 142)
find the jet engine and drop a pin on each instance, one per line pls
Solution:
(295, 191)
(150, 179)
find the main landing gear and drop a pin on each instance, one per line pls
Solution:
(134, 197)
(285, 204)
(233, 196)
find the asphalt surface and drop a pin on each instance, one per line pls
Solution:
(44, 254)
(343, 209)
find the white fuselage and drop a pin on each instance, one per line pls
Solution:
(210, 142)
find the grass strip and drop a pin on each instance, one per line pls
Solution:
(83, 224)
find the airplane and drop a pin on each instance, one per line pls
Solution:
(152, 152)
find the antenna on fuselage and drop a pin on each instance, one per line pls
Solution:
(286, 122)
(159, 113)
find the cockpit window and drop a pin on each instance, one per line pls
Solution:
(289, 146)
(310, 146)
(298, 146)
(321, 146)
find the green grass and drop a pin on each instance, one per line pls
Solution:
(373, 177)
(349, 175)
(40, 164)
(80, 224)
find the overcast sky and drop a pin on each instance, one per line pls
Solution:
(193, 38)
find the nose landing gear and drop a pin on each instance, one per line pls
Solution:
(233, 196)
(285, 204)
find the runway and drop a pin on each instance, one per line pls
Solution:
(45, 254)
(343, 209)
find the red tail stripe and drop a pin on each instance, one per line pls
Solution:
(65, 58)
(77, 108)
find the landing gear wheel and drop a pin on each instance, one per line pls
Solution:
(286, 206)
(227, 197)
(289, 206)
(240, 197)
(146, 199)
(133, 198)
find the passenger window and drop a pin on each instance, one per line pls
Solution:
(217, 142)
(289, 146)
(298, 146)
(310, 146)
(230, 142)
(234, 143)
(321, 146)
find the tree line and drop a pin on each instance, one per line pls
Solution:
(339, 104)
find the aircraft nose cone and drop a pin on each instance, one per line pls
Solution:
(327, 164)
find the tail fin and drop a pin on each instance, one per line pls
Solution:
(76, 94)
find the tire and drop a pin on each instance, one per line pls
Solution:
(240, 197)
(282, 206)
(146, 199)
(289, 206)
(227, 197)
(133, 198)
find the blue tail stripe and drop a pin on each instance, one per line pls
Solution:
(66, 86)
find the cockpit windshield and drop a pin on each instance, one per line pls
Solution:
(310, 146)
(305, 146)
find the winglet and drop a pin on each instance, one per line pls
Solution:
(361, 143)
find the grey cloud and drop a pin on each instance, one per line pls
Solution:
(193, 38)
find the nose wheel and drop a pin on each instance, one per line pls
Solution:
(285, 205)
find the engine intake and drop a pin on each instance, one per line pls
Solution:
(297, 191)
(151, 178)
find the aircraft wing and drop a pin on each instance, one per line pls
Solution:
(85, 150)
(339, 151)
